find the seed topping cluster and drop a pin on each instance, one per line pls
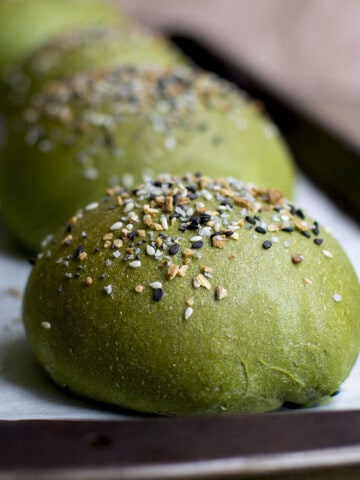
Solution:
(174, 222)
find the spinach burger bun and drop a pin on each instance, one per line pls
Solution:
(82, 50)
(78, 137)
(26, 24)
(194, 296)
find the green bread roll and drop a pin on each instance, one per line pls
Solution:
(194, 296)
(85, 49)
(80, 136)
(26, 24)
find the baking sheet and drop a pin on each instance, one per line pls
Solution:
(27, 393)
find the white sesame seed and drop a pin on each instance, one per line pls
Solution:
(155, 285)
(128, 207)
(150, 250)
(92, 206)
(116, 226)
(206, 232)
(158, 254)
(196, 284)
(46, 325)
(164, 222)
(274, 239)
(286, 244)
(327, 254)
(188, 312)
(128, 180)
(46, 240)
(180, 211)
(196, 238)
(270, 130)
(108, 289)
(337, 297)
(116, 254)
(135, 264)
(170, 143)
(206, 194)
(91, 173)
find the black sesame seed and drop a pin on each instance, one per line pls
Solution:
(267, 244)
(215, 234)
(174, 215)
(77, 274)
(152, 196)
(250, 220)
(316, 230)
(204, 218)
(192, 226)
(198, 244)
(318, 241)
(96, 249)
(175, 199)
(132, 235)
(195, 219)
(277, 209)
(300, 214)
(108, 140)
(287, 229)
(228, 233)
(260, 230)
(191, 188)
(156, 183)
(197, 174)
(173, 250)
(292, 209)
(257, 217)
(157, 294)
(70, 227)
(226, 203)
(306, 234)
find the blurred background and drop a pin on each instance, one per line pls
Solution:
(307, 48)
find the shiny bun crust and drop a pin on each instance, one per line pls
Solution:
(191, 296)
(77, 137)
